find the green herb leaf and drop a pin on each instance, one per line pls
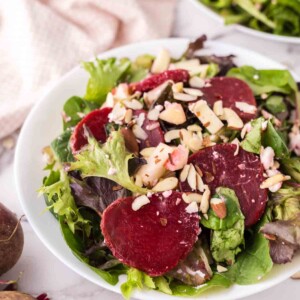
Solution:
(104, 75)
(109, 161)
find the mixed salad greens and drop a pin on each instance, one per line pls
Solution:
(281, 17)
(146, 133)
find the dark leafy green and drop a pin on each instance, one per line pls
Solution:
(61, 147)
(275, 104)
(291, 166)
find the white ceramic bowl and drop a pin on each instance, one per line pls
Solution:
(44, 124)
(264, 35)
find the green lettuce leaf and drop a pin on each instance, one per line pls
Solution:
(104, 75)
(136, 279)
(265, 81)
(61, 147)
(252, 141)
(275, 104)
(163, 285)
(73, 108)
(217, 281)
(62, 202)
(291, 166)
(255, 261)
(77, 247)
(233, 211)
(109, 161)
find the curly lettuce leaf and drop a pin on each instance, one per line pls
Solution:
(62, 202)
(265, 81)
(109, 161)
(104, 75)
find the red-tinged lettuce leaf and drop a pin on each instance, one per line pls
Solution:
(284, 238)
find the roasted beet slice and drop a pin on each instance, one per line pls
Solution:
(95, 121)
(230, 90)
(153, 238)
(157, 79)
(242, 172)
(153, 130)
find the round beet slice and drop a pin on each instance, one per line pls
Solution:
(95, 121)
(153, 81)
(153, 238)
(230, 90)
(243, 173)
(153, 130)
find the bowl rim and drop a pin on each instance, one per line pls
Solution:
(39, 232)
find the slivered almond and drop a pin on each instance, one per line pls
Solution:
(166, 184)
(218, 108)
(186, 64)
(151, 96)
(232, 118)
(184, 97)
(171, 135)
(245, 107)
(138, 180)
(218, 205)
(128, 116)
(193, 92)
(139, 202)
(237, 143)
(191, 197)
(146, 152)
(177, 87)
(196, 82)
(204, 206)
(206, 116)
(133, 104)
(274, 180)
(161, 62)
(221, 269)
(200, 184)
(184, 173)
(139, 132)
(192, 208)
(192, 178)
(173, 114)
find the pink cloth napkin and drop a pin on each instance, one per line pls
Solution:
(40, 40)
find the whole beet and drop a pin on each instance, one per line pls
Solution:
(11, 239)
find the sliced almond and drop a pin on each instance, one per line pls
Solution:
(139, 132)
(138, 180)
(204, 206)
(221, 269)
(184, 97)
(192, 178)
(193, 92)
(274, 180)
(206, 116)
(173, 114)
(171, 135)
(218, 108)
(146, 152)
(195, 128)
(161, 62)
(166, 184)
(245, 107)
(128, 116)
(218, 205)
(232, 118)
(196, 82)
(200, 184)
(191, 197)
(177, 87)
(133, 104)
(139, 202)
(151, 96)
(192, 208)
(184, 173)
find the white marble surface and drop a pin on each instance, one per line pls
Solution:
(42, 272)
